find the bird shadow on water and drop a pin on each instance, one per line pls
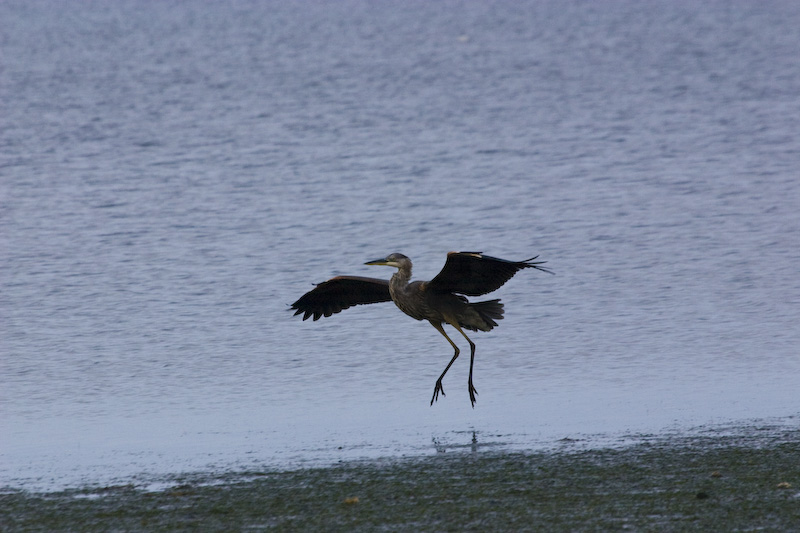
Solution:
(458, 442)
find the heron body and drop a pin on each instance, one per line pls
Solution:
(440, 300)
(416, 301)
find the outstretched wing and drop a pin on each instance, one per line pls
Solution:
(339, 293)
(473, 274)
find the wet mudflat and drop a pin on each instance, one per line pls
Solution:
(713, 482)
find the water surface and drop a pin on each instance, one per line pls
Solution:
(175, 175)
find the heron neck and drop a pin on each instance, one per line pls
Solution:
(400, 278)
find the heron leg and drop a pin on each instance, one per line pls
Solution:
(439, 387)
(472, 391)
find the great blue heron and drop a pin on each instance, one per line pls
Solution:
(442, 299)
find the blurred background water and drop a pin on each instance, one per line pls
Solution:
(175, 174)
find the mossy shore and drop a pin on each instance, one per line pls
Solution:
(712, 483)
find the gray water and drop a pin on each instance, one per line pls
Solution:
(174, 175)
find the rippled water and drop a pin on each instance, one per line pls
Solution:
(175, 174)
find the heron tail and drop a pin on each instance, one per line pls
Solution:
(489, 311)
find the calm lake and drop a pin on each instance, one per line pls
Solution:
(173, 175)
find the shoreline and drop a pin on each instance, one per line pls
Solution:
(720, 480)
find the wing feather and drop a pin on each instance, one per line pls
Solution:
(473, 274)
(339, 293)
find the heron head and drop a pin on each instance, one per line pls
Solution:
(393, 260)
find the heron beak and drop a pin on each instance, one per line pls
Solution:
(377, 262)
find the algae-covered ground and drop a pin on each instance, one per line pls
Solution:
(741, 482)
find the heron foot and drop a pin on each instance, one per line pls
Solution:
(472, 393)
(437, 390)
